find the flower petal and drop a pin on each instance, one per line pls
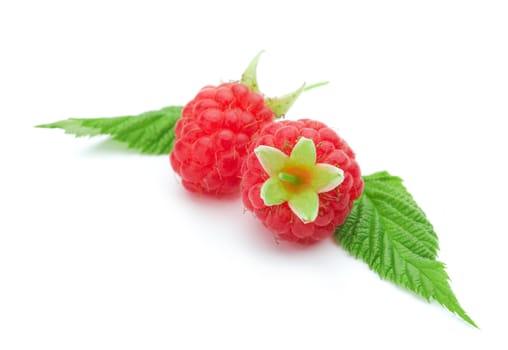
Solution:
(305, 205)
(304, 153)
(326, 177)
(273, 192)
(272, 159)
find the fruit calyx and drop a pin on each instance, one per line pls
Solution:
(279, 105)
(297, 178)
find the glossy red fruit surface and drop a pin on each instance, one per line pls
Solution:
(213, 135)
(334, 205)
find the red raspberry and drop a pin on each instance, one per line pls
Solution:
(213, 135)
(334, 204)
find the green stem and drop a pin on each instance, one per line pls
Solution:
(310, 87)
(294, 180)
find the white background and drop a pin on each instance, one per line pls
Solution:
(103, 249)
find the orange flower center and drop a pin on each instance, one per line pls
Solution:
(294, 179)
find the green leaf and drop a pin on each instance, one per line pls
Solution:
(388, 230)
(149, 133)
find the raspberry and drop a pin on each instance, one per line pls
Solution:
(216, 127)
(213, 134)
(275, 171)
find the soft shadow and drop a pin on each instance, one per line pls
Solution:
(200, 199)
(264, 238)
(208, 200)
(256, 234)
(109, 147)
